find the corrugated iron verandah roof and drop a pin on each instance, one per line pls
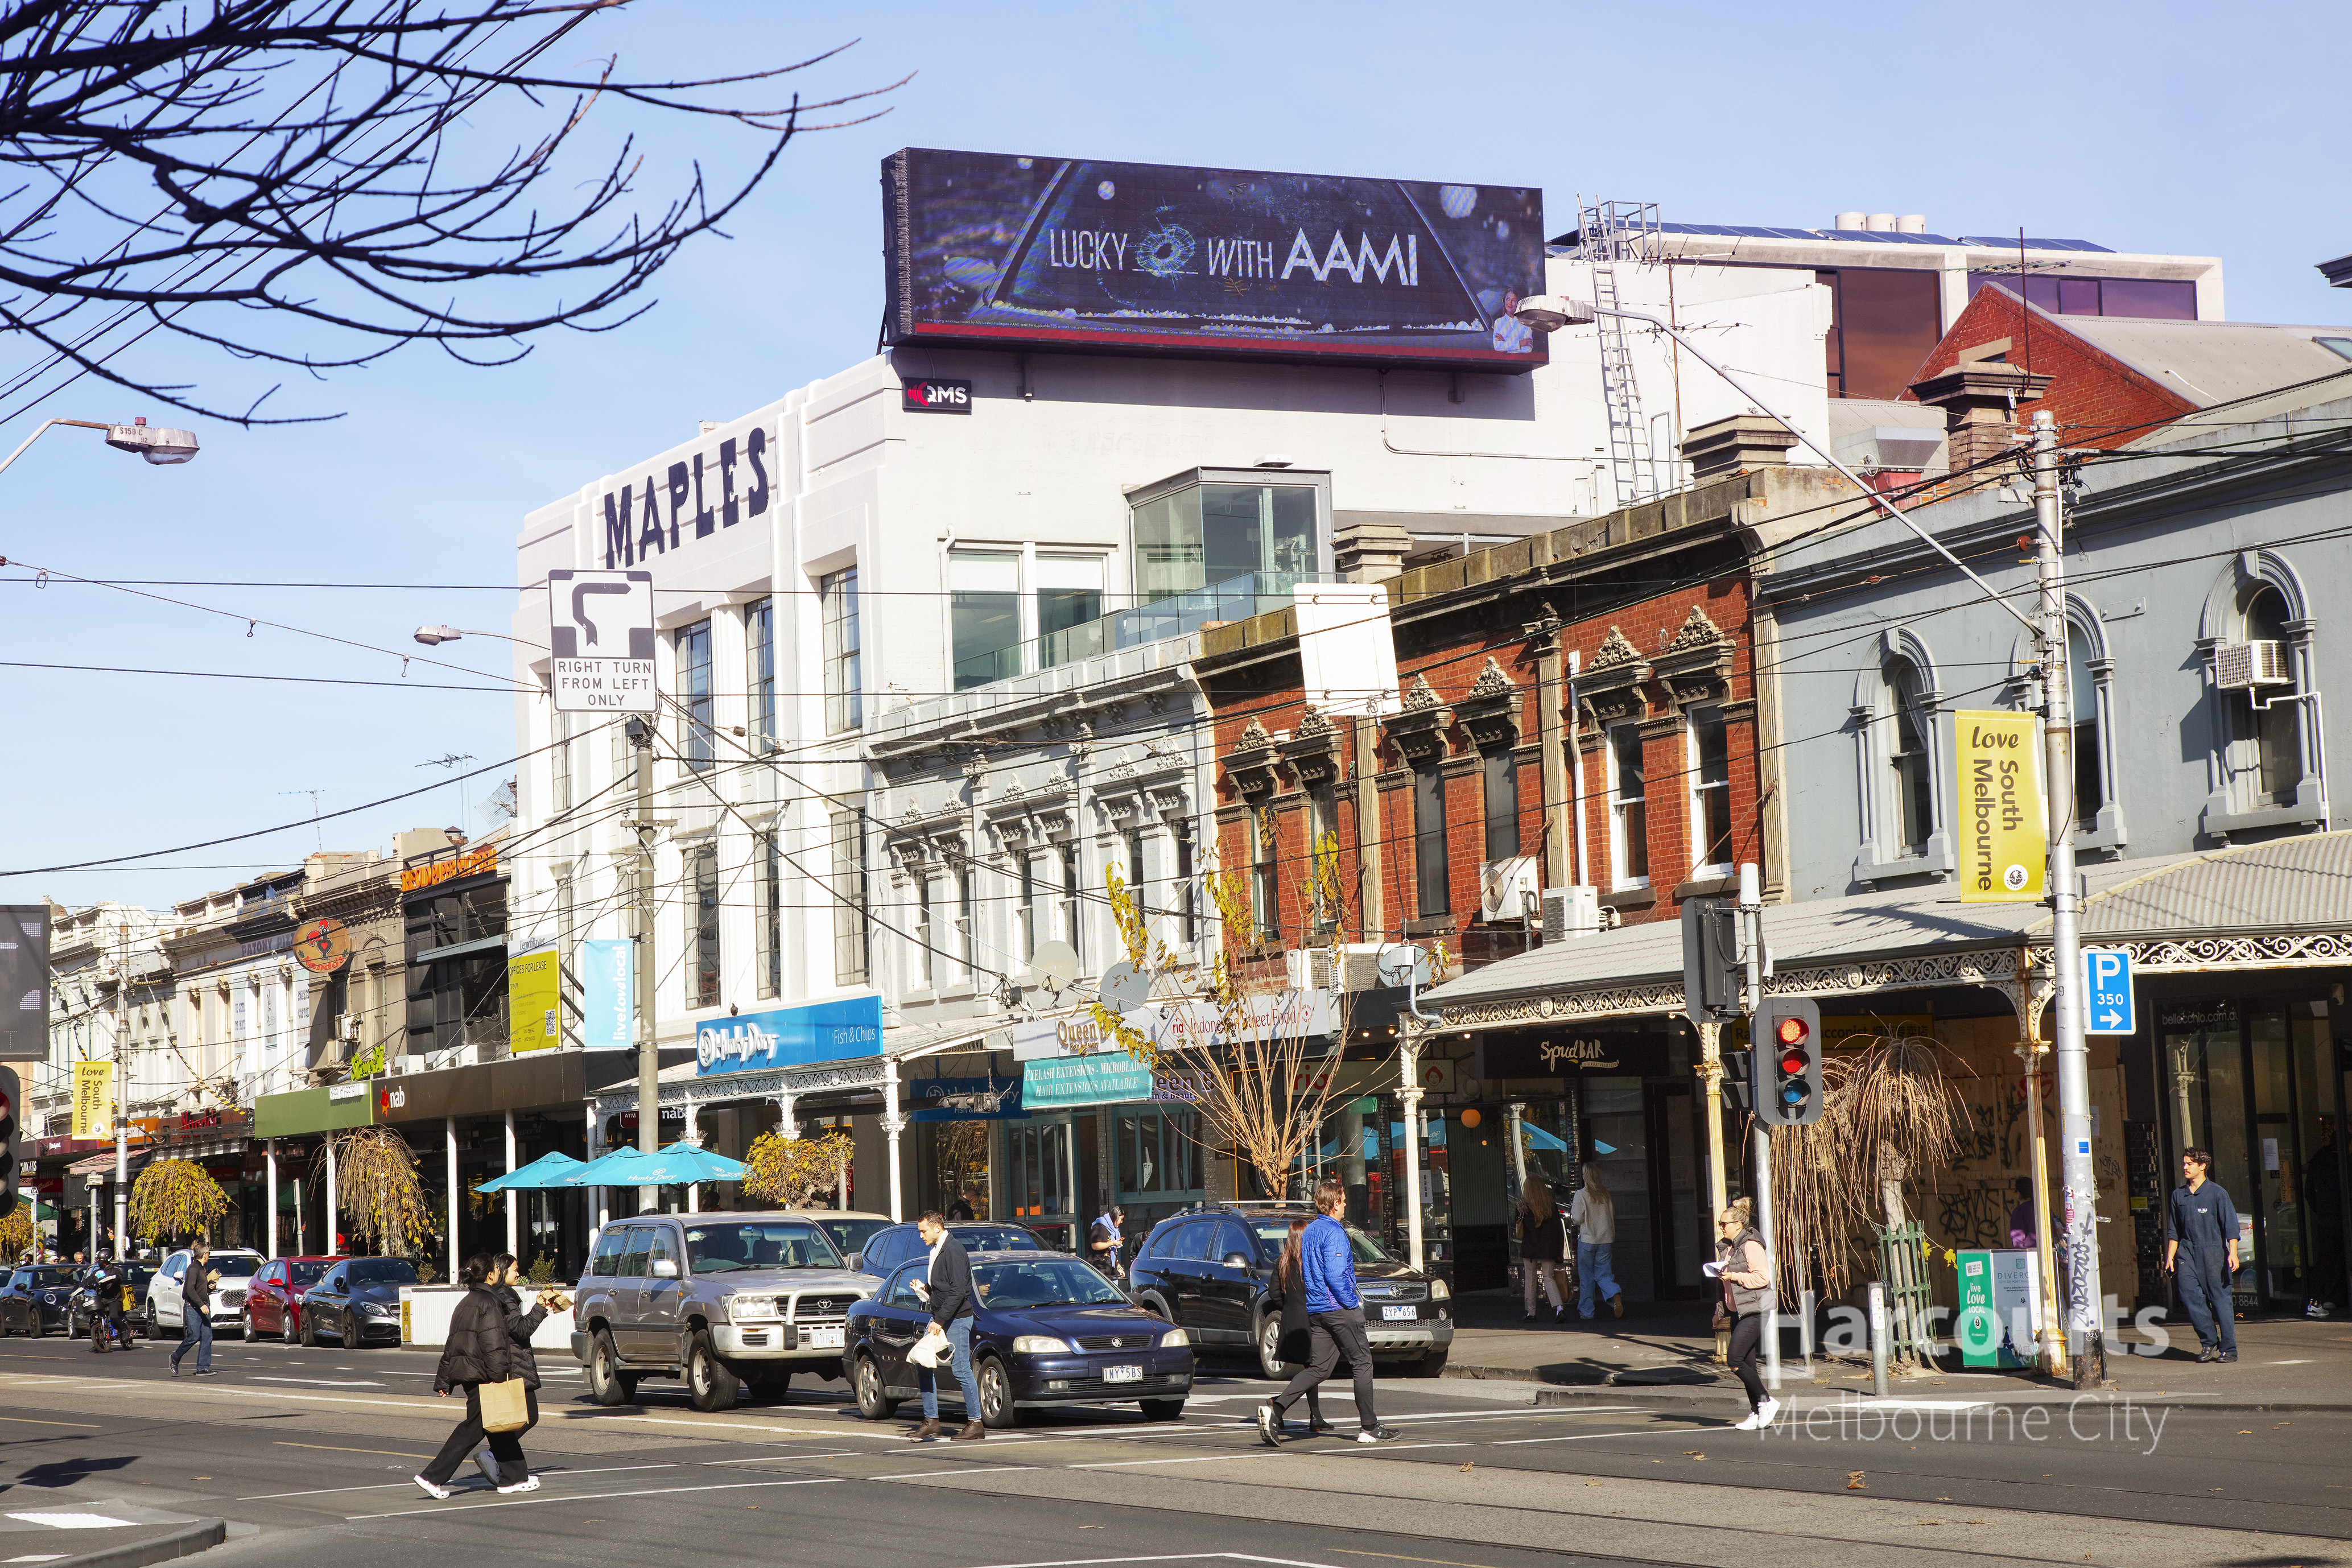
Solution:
(2282, 904)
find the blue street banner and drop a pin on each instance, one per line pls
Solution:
(608, 994)
(2108, 991)
(839, 1030)
(1110, 1078)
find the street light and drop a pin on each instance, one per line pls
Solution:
(158, 444)
(433, 636)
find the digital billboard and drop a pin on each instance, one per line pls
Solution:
(992, 250)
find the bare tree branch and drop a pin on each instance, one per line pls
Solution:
(305, 182)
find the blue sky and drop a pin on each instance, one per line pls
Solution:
(2160, 128)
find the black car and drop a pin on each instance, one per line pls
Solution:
(81, 1306)
(359, 1300)
(888, 1247)
(1047, 1330)
(37, 1298)
(1207, 1271)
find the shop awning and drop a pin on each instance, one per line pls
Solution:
(103, 1164)
(2284, 904)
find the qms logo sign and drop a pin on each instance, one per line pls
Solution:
(930, 395)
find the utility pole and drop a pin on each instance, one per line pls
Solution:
(121, 1094)
(641, 736)
(2085, 1325)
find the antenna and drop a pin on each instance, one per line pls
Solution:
(451, 761)
(314, 795)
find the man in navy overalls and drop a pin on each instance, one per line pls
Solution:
(2201, 1252)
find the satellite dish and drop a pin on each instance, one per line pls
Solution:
(1125, 987)
(1402, 964)
(1053, 965)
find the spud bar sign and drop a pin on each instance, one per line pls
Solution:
(473, 862)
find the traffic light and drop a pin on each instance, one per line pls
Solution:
(11, 1098)
(1712, 973)
(1785, 1068)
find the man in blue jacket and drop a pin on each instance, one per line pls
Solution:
(2201, 1251)
(1335, 1321)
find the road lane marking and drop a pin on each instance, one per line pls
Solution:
(389, 1485)
(28, 1421)
(1587, 1436)
(790, 1458)
(75, 1521)
(598, 1497)
(319, 1382)
(330, 1448)
(1197, 1459)
(926, 1475)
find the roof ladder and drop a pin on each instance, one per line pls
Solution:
(1610, 231)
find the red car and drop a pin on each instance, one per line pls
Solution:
(273, 1302)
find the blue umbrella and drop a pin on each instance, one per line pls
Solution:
(547, 1171)
(677, 1165)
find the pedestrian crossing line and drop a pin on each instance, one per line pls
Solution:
(1195, 1459)
(1587, 1436)
(958, 1470)
(394, 1485)
(598, 1497)
(793, 1459)
(86, 1425)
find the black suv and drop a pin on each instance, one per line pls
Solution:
(1207, 1271)
(888, 1247)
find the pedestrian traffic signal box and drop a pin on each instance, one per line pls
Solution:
(1785, 1068)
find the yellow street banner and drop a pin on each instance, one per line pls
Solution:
(2004, 833)
(535, 1001)
(93, 1100)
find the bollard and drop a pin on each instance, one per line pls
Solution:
(1805, 1330)
(1878, 1338)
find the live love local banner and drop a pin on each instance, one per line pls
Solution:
(608, 994)
(2004, 833)
(93, 1099)
(791, 1036)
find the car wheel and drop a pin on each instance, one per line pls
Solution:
(1269, 1339)
(245, 1327)
(1161, 1409)
(309, 1334)
(349, 1331)
(873, 1403)
(710, 1384)
(1431, 1365)
(607, 1383)
(996, 1405)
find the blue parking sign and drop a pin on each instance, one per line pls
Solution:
(2108, 991)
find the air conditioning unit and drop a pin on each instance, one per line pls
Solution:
(2243, 666)
(1507, 889)
(1570, 912)
(347, 1027)
(1310, 967)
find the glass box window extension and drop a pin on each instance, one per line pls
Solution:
(1201, 533)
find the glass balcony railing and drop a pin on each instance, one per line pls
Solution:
(1234, 599)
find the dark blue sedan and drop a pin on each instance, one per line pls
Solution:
(1047, 1331)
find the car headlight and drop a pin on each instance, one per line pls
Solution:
(1174, 1339)
(1438, 1291)
(379, 1309)
(743, 1309)
(1040, 1344)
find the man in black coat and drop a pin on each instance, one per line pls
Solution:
(948, 1292)
(197, 1311)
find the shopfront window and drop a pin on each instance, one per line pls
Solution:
(1195, 534)
(1039, 1179)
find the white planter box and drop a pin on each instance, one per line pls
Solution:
(424, 1313)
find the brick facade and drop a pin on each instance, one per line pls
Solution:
(2099, 401)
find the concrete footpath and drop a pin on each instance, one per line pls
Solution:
(1664, 1352)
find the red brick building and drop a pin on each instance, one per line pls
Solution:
(1578, 708)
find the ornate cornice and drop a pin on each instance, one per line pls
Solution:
(1313, 750)
(1419, 731)
(1252, 763)
(1696, 665)
(1609, 688)
(1488, 712)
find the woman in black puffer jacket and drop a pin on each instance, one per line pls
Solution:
(479, 1349)
(506, 1273)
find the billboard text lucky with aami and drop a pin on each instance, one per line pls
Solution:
(989, 250)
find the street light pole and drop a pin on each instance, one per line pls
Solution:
(2086, 1320)
(641, 737)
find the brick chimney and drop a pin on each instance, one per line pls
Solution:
(1722, 448)
(1979, 403)
(1369, 548)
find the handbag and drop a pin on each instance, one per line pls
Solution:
(504, 1406)
(930, 1350)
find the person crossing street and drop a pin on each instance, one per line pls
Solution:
(1335, 1321)
(946, 1289)
(197, 1311)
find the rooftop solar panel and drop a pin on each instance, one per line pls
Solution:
(2008, 242)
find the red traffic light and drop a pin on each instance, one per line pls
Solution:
(1792, 1031)
(1792, 1063)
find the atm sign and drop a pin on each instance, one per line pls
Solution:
(930, 395)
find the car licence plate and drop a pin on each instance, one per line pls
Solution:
(1397, 1314)
(821, 1339)
(1122, 1374)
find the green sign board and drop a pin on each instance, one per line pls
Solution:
(1103, 1080)
(2000, 1309)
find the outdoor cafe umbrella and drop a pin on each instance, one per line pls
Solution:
(677, 1165)
(547, 1171)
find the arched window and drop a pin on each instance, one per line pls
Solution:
(1909, 761)
(2272, 732)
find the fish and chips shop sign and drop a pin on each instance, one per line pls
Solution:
(791, 1036)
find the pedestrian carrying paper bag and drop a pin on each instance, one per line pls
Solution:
(504, 1408)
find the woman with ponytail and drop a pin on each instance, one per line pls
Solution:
(478, 1351)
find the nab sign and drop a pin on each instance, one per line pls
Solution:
(601, 628)
(2108, 991)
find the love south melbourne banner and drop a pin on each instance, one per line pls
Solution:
(2003, 831)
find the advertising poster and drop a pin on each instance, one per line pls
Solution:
(833, 1031)
(535, 1001)
(2000, 1309)
(998, 251)
(2004, 833)
(93, 1099)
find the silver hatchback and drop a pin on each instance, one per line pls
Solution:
(726, 1301)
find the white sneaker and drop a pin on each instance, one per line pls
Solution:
(1754, 1419)
(529, 1484)
(1766, 1412)
(488, 1463)
(429, 1489)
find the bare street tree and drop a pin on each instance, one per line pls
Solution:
(313, 183)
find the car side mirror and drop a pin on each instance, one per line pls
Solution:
(665, 1269)
(1236, 1260)
(857, 1260)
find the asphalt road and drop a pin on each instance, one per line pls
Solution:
(308, 1454)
